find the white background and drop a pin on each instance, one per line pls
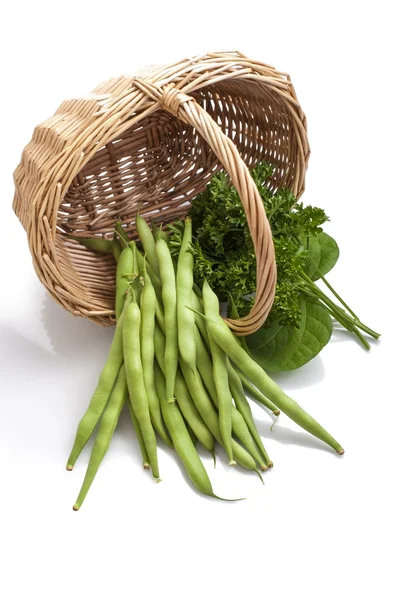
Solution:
(322, 526)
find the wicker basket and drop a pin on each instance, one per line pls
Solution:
(154, 140)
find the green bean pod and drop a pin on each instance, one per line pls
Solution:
(167, 274)
(197, 305)
(116, 247)
(191, 433)
(184, 287)
(243, 407)
(191, 414)
(124, 267)
(160, 233)
(201, 399)
(234, 314)
(185, 402)
(148, 243)
(136, 427)
(220, 376)
(98, 244)
(239, 426)
(148, 310)
(183, 443)
(102, 442)
(160, 315)
(143, 265)
(242, 433)
(225, 339)
(122, 235)
(135, 283)
(136, 385)
(210, 417)
(256, 395)
(100, 397)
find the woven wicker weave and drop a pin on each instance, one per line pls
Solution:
(154, 140)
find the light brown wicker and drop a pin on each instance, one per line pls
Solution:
(154, 140)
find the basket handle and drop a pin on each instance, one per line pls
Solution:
(188, 110)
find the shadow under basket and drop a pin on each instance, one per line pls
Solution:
(153, 141)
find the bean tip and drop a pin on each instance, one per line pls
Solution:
(259, 475)
(75, 507)
(70, 467)
(228, 499)
(270, 464)
(264, 468)
(146, 466)
(340, 451)
(277, 412)
(157, 479)
(171, 401)
(232, 463)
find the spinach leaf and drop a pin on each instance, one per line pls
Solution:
(323, 252)
(284, 348)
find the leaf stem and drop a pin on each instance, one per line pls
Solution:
(339, 314)
(328, 285)
(362, 339)
(352, 329)
(310, 284)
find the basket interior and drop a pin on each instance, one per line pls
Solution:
(159, 165)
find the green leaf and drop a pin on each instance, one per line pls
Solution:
(323, 252)
(278, 348)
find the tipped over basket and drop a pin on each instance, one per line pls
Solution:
(153, 140)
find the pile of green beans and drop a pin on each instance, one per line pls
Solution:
(174, 361)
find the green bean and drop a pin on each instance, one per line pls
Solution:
(182, 441)
(167, 274)
(122, 235)
(197, 290)
(160, 315)
(184, 287)
(234, 314)
(220, 375)
(98, 244)
(239, 426)
(100, 397)
(124, 267)
(143, 264)
(243, 407)
(107, 427)
(243, 435)
(148, 310)
(191, 433)
(136, 385)
(197, 305)
(191, 414)
(210, 417)
(160, 233)
(255, 394)
(185, 402)
(148, 243)
(135, 284)
(116, 247)
(225, 339)
(136, 427)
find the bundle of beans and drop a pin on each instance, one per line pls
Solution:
(183, 373)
